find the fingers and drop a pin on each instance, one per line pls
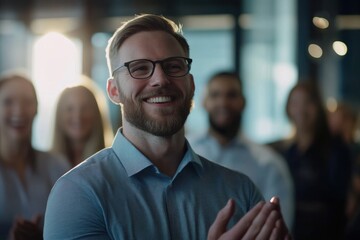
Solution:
(269, 228)
(242, 226)
(221, 221)
(281, 227)
(26, 230)
(264, 222)
(275, 200)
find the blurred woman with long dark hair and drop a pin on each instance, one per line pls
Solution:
(320, 166)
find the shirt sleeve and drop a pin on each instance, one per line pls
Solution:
(73, 212)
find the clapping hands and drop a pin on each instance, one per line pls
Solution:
(26, 229)
(264, 221)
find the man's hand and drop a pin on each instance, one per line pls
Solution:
(25, 229)
(264, 221)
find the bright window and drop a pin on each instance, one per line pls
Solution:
(56, 64)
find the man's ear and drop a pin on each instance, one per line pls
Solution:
(113, 90)
(192, 82)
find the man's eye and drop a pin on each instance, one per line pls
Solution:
(174, 67)
(233, 95)
(139, 68)
(7, 102)
(214, 95)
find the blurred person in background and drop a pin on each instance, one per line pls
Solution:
(225, 144)
(26, 174)
(343, 123)
(82, 125)
(353, 204)
(320, 165)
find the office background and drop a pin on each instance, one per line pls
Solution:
(270, 43)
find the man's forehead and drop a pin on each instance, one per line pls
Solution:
(150, 45)
(224, 82)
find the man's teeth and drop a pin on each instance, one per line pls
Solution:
(159, 99)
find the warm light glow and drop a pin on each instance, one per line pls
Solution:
(347, 22)
(320, 22)
(285, 75)
(340, 48)
(56, 64)
(245, 21)
(203, 22)
(315, 50)
(331, 104)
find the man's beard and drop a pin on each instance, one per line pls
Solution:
(171, 124)
(229, 130)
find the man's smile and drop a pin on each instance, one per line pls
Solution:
(159, 99)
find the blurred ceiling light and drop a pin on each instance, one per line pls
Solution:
(315, 50)
(320, 22)
(349, 22)
(224, 21)
(44, 25)
(245, 21)
(340, 48)
(331, 104)
(110, 24)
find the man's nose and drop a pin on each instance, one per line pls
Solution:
(159, 77)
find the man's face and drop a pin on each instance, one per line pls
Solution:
(160, 104)
(224, 103)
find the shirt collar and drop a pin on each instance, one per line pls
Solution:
(134, 161)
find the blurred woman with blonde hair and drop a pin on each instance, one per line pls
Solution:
(82, 125)
(26, 174)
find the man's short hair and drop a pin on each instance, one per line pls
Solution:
(229, 74)
(142, 23)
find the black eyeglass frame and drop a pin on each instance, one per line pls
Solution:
(127, 64)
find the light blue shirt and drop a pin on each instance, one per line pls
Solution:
(267, 169)
(119, 194)
(16, 201)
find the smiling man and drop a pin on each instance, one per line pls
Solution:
(150, 184)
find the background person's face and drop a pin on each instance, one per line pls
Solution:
(224, 103)
(302, 110)
(78, 115)
(17, 110)
(158, 105)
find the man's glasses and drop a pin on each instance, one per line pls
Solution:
(144, 68)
